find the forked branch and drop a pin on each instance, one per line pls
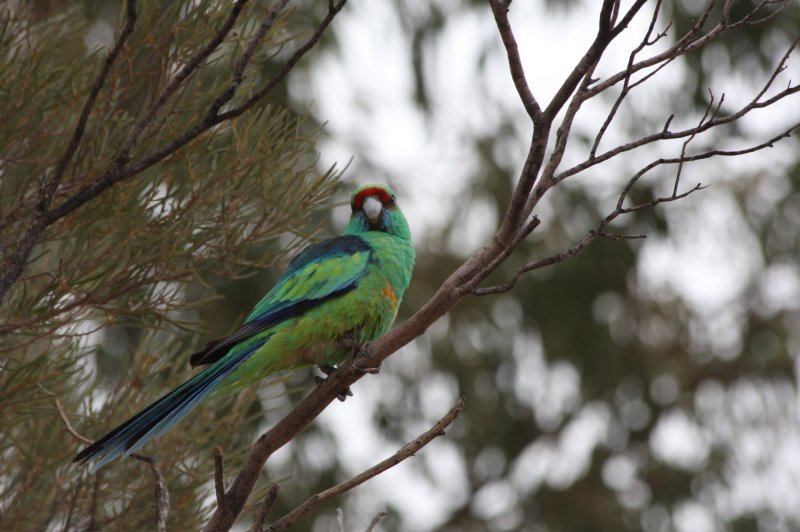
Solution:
(408, 450)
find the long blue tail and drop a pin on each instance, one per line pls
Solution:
(162, 415)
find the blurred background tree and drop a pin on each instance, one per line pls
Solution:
(643, 385)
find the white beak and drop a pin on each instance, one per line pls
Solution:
(373, 207)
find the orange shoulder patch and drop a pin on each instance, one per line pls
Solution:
(389, 293)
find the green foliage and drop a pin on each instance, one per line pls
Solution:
(127, 272)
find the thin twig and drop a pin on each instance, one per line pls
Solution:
(238, 71)
(408, 450)
(75, 434)
(694, 135)
(589, 237)
(161, 495)
(77, 134)
(266, 506)
(500, 12)
(690, 41)
(626, 86)
(665, 134)
(605, 34)
(219, 474)
(375, 521)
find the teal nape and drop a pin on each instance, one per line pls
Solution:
(346, 287)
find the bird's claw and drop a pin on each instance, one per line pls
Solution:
(341, 396)
(327, 369)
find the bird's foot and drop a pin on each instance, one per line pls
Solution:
(359, 351)
(327, 369)
(350, 342)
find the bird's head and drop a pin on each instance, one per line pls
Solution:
(374, 208)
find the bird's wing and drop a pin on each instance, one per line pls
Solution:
(320, 272)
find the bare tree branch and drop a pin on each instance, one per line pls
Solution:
(523, 201)
(595, 232)
(605, 34)
(408, 450)
(666, 134)
(692, 40)
(599, 229)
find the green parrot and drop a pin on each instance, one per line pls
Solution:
(345, 288)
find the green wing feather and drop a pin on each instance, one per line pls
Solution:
(322, 271)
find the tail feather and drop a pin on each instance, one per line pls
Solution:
(162, 415)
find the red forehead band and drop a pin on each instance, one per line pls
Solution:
(380, 193)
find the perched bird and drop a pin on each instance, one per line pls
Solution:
(347, 287)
